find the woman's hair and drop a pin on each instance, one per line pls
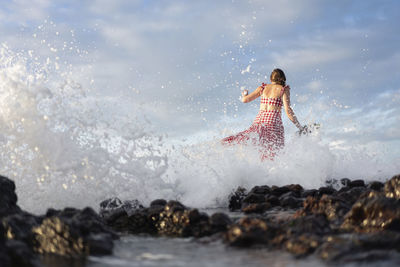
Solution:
(278, 76)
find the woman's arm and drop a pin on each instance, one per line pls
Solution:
(252, 96)
(288, 109)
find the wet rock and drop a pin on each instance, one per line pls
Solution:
(326, 191)
(309, 192)
(53, 236)
(254, 198)
(263, 190)
(127, 216)
(236, 199)
(355, 247)
(296, 189)
(375, 185)
(177, 220)
(316, 224)
(290, 202)
(334, 208)
(351, 195)
(278, 191)
(8, 198)
(220, 222)
(73, 233)
(302, 245)
(158, 202)
(392, 187)
(20, 254)
(272, 200)
(256, 207)
(371, 214)
(19, 227)
(345, 181)
(356, 183)
(250, 231)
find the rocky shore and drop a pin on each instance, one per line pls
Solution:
(344, 221)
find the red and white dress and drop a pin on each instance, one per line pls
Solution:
(266, 131)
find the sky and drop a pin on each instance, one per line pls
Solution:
(180, 65)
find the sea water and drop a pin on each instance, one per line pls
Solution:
(62, 147)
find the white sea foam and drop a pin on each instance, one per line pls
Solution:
(62, 150)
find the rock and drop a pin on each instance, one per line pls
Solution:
(19, 227)
(73, 233)
(263, 190)
(375, 185)
(254, 198)
(220, 222)
(310, 192)
(236, 199)
(334, 208)
(290, 202)
(372, 214)
(345, 181)
(356, 183)
(53, 236)
(177, 220)
(278, 191)
(316, 224)
(8, 198)
(326, 191)
(392, 187)
(351, 195)
(302, 245)
(249, 231)
(20, 254)
(158, 202)
(272, 200)
(256, 208)
(355, 247)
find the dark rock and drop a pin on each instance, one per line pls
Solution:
(302, 245)
(256, 208)
(310, 192)
(326, 191)
(236, 199)
(21, 255)
(278, 191)
(290, 202)
(295, 188)
(158, 202)
(220, 222)
(8, 198)
(392, 187)
(352, 194)
(355, 247)
(177, 220)
(345, 181)
(53, 236)
(73, 233)
(263, 190)
(375, 185)
(356, 183)
(372, 214)
(334, 208)
(272, 200)
(254, 198)
(250, 231)
(19, 226)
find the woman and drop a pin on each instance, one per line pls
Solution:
(267, 129)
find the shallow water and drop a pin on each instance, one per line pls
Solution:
(152, 251)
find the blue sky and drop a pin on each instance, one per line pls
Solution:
(181, 64)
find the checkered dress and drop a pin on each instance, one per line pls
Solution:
(266, 131)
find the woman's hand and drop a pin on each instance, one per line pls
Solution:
(245, 93)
